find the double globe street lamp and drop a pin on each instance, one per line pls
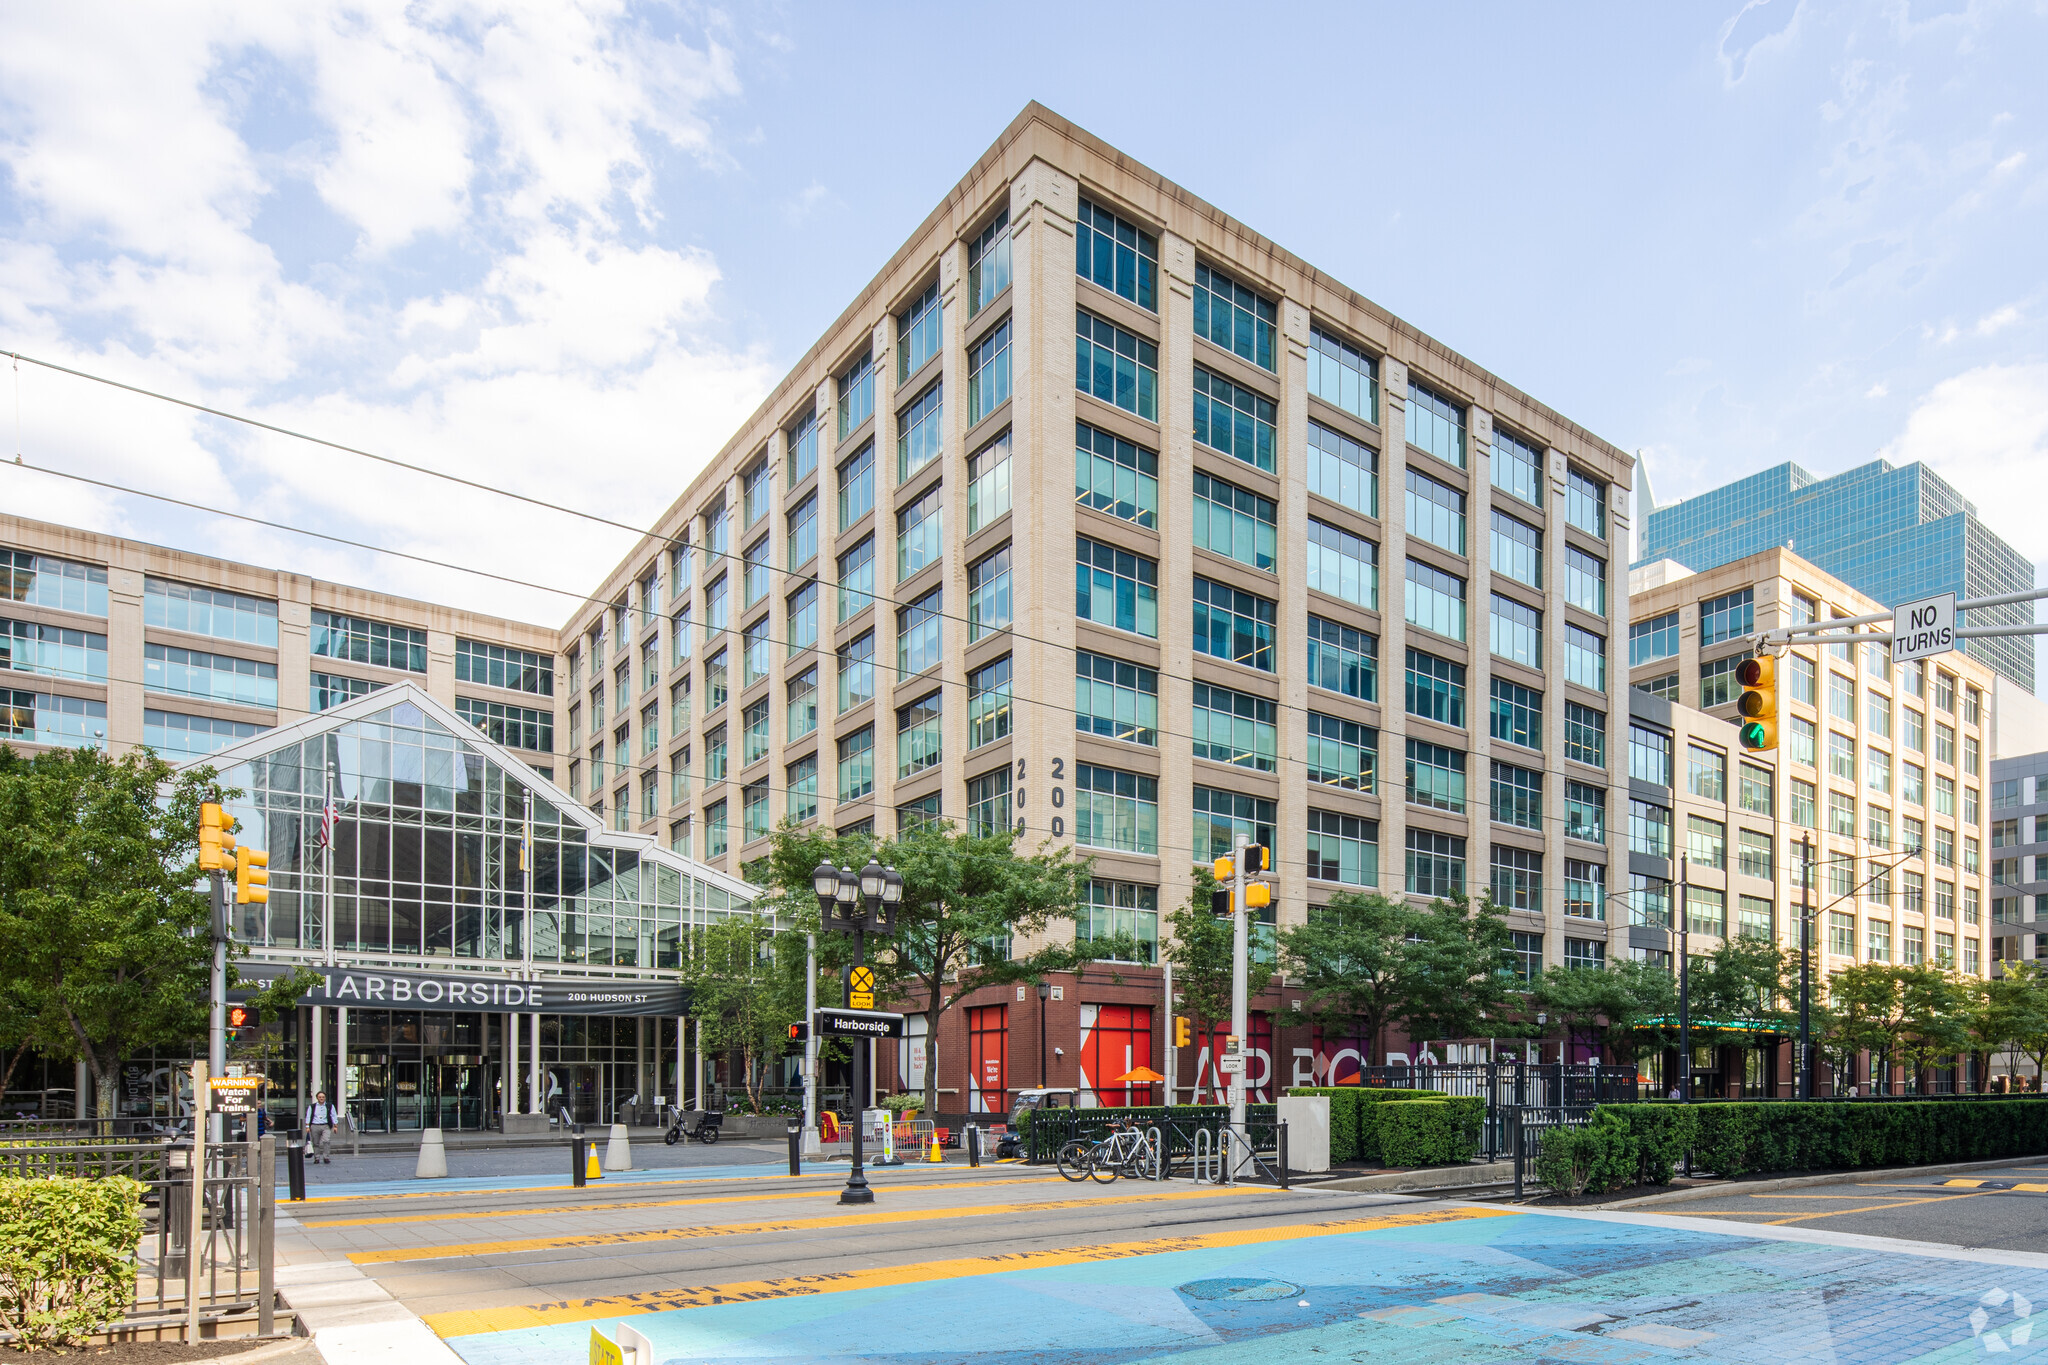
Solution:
(858, 903)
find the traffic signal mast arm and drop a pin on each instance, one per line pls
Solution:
(1842, 629)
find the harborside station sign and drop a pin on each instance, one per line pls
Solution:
(375, 988)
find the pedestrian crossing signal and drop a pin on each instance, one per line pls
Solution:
(241, 1017)
(1758, 704)
(799, 1033)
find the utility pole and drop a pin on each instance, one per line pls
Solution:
(1684, 912)
(1806, 968)
(812, 1147)
(1240, 1002)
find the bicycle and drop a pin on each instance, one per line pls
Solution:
(1123, 1151)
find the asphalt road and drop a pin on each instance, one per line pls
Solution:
(2003, 1209)
(532, 1159)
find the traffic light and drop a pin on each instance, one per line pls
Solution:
(1258, 858)
(216, 844)
(241, 1017)
(1223, 870)
(1758, 703)
(1219, 902)
(1183, 1031)
(252, 877)
(1257, 896)
(799, 1033)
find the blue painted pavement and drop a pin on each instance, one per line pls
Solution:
(1522, 1287)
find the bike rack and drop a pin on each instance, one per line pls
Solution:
(1156, 1150)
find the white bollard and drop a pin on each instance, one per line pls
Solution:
(433, 1157)
(618, 1153)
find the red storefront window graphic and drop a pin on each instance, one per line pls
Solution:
(1115, 1040)
(1259, 1077)
(988, 1059)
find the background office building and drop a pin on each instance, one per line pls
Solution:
(1100, 517)
(1885, 768)
(1892, 533)
(2019, 858)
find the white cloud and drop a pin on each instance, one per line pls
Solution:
(1877, 390)
(1997, 320)
(556, 344)
(1986, 431)
(2010, 164)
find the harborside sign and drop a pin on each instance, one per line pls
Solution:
(1925, 627)
(376, 988)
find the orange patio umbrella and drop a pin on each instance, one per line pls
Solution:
(1144, 1075)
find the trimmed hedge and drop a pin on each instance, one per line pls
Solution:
(67, 1256)
(1355, 1120)
(1641, 1144)
(1433, 1132)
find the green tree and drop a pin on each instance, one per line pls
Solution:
(1993, 1014)
(1624, 1008)
(1200, 946)
(967, 899)
(745, 992)
(104, 922)
(1935, 1006)
(1867, 1011)
(2029, 1024)
(1371, 960)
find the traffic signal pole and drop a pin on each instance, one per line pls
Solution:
(1240, 1002)
(217, 1014)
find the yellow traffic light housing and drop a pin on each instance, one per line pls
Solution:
(252, 877)
(1183, 1031)
(1257, 896)
(1224, 869)
(1758, 704)
(216, 844)
(1258, 858)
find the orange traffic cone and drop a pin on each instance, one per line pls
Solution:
(936, 1158)
(593, 1168)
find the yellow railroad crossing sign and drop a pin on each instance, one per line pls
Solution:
(860, 988)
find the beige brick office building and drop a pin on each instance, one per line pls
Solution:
(1884, 768)
(1100, 516)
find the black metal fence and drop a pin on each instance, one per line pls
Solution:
(1050, 1129)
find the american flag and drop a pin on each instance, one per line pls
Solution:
(328, 816)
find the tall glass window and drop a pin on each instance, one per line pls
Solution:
(1342, 753)
(1118, 367)
(856, 394)
(1516, 714)
(1649, 829)
(988, 595)
(1117, 255)
(1123, 910)
(1342, 470)
(57, 652)
(920, 532)
(1436, 689)
(1585, 658)
(917, 332)
(1585, 734)
(803, 532)
(1517, 797)
(988, 803)
(917, 634)
(1435, 600)
(754, 657)
(1234, 317)
(988, 263)
(988, 373)
(1585, 503)
(215, 677)
(754, 734)
(1115, 587)
(803, 703)
(1436, 512)
(1517, 467)
(1234, 420)
(1343, 375)
(1436, 424)
(988, 703)
(1517, 550)
(1116, 810)
(1706, 773)
(1224, 819)
(857, 764)
(988, 486)
(1236, 522)
(920, 728)
(1436, 864)
(1343, 565)
(1518, 885)
(920, 429)
(802, 440)
(1718, 684)
(1516, 631)
(1727, 617)
(1115, 476)
(857, 485)
(1436, 776)
(1585, 812)
(756, 576)
(802, 784)
(207, 611)
(1233, 624)
(857, 671)
(802, 616)
(1236, 728)
(1343, 659)
(520, 670)
(335, 636)
(1114, 699)
(857, 578)
(1585, 580)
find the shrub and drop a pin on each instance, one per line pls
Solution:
(67, 1256)
(1744, 1137)
(1428, 1132)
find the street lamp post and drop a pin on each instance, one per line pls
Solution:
(855, 903)
(1044, 991)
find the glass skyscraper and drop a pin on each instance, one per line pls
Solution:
(1894, 533)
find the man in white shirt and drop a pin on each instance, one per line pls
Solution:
(320, 1121)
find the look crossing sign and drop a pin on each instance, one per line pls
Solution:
(860, 988)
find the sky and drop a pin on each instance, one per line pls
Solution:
(565, 249)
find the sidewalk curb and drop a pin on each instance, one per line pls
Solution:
(1427, 1178)
(352, 1318)
(1723, 1190)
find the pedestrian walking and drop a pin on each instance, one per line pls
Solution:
(320, 1121)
